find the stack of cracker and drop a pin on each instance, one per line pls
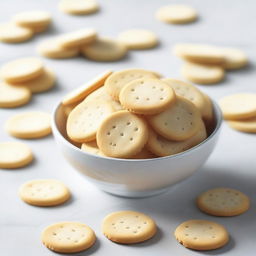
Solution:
(240, 111)
(24, 26)
(135, 114)
(21, 78)
(206, 64)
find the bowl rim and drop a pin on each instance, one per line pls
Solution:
(217, 114)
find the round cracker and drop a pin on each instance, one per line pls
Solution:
(176, 14)
(202, 74)
(223, 202)
(13, 96)
(11, 33)
(68, 237)
(200, 53)
(238, 106)
(105, 49)
(29, 125)
(128, 227)
(147, 96)
(43, 83)
(78, 7)
(122, 135)
(81, 92)
(14, 155)
(163, 147)
(189, 92)
(178, 122)
(234, 58)
(119, 79)
(44, 192)
(137, 39)
(86, 118)
(245, 125)
(201, 235)
(21, 70)
(32, 19)
(52, 49)
(77, 38)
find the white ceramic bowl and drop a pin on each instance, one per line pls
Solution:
(130, 177)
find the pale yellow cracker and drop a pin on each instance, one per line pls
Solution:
(77, 38)
(32, 19)
(137, 39)
(11, 33)
(119, 79)
(78, 7)
(191, 93)
(179, 122)
(92, 148)
(202, 74)
(51, 49)
(238, 106)
(21, 70)
(105, 49)
(81, 92)
(68, 237)
(223, 202)
(86, 118)
(176, 14)
(14, 155)
(234, 58)
(200, 53)
(128, 227)
(101, 94)
(44, 192)
(29, 125)
(122, 135)
(13, 96)
(201, 235)
(43, 83)
(163, 147)
(147, 96)
(245, 125)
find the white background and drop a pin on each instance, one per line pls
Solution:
(232, 164)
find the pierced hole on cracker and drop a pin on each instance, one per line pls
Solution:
(132, 90)
(128, 123)
(136, 129)
(121, 134)
(161, 98)
(142, 82)
(68, 238)
(147, 99)
(131, 139)
(113, 126)
(54, 234)
(137, 98)
(108, 133)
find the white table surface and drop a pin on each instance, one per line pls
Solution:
(232, 164)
